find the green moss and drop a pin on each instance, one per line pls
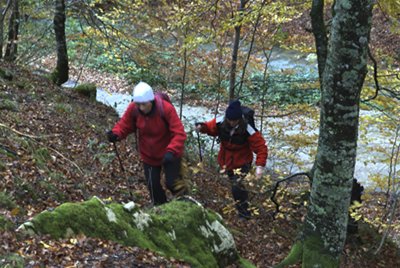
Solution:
(167, 229)
(10, 105)
(87, 89)
(5, 224)
(314, 255)
(6, 201)
(12, 260)
(243, 263)
(294, 256)
(311, 253)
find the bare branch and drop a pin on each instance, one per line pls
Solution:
(277, 185)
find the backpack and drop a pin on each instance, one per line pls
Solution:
(248, 114)
(158, 97)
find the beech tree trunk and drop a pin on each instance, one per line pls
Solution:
(61, 71)
(13, 27)
(3, 12)
(319, 31)
(324, 233)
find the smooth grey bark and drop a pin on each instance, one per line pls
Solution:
(13, 27)
(235, 51)
(324, 233)
(343, 77)
(62, 69)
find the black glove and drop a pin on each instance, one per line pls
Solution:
(112, 137)
(198, 126)
(168, 157)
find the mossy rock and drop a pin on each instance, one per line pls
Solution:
(10, 105)
(6, 74)
(87, 89)
(179, 229)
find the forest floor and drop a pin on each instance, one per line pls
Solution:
(53, 150)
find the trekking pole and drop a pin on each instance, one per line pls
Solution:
(119, 159)
(198, 142)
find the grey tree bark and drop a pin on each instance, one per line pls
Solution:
(13, 27)
(324, 233)
(60, 75)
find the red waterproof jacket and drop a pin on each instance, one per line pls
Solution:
(158, 132)
(234, 155)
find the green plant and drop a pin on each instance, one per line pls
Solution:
(41, 156)
(12, 260)
(9, 105)
(63, 108)
(104, 158)
(87, 89)
(6, 74)
(7, 201)
(5, 224)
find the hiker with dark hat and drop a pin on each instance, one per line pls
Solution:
(161, 138)
(238, 141)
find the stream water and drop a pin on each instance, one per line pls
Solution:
(373, 150)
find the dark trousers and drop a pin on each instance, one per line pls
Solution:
(239, 192)
(153, 178)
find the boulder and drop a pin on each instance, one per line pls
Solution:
(179, 229)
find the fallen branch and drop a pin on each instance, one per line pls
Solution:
(27, 135)
(44, 145)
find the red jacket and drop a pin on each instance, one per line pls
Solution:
(231, 155)
(157, 134)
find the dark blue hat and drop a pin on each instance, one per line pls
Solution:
(234, 111)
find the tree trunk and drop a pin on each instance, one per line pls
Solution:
(61, 71)
(325, 226)
(3, 12)
(319, 31)
(13, 26)
(235, 51)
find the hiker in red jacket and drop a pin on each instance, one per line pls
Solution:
(238, 141)
(161, 138)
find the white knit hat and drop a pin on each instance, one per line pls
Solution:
(142, 92)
